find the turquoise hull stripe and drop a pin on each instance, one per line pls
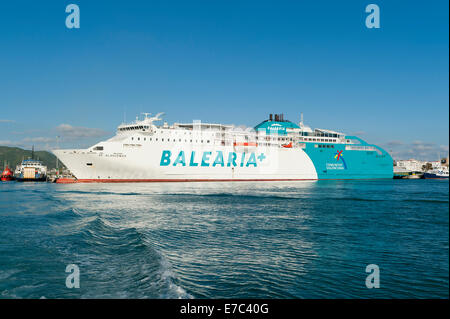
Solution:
(339, 163)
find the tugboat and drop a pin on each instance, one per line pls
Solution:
(437, 174)
(7, 175)
(31, 170)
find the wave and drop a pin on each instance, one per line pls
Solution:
(99, 193)
(437, 201)
(126, 257)
(230, 195)
(357, 199)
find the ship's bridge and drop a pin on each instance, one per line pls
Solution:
(144, 125)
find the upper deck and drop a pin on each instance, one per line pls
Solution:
(274, 132)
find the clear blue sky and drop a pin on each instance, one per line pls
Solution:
(226, 61)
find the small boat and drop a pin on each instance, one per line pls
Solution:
(437, 174)
(413, 176)
(31, 170)
(7, 175)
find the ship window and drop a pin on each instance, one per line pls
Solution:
(162, 139)
(89, 164)
(98, 148)
(207, 141)
(139, 138)
(132, 138)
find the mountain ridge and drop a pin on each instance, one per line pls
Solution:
(14, 156)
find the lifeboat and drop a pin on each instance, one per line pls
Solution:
(287, 145)
(245, 144)
(7, 175)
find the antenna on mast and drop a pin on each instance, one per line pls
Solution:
(146, 115)
(301, 119)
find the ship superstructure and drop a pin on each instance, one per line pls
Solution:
(274, 150)
(31, 170)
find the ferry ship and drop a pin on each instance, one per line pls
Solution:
(274, 150)
(31, 170)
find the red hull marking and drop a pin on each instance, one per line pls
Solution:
(71, 181)
(176, 180)
(66, 181)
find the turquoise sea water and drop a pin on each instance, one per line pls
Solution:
(225, 240)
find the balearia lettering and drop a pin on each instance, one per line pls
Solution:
(211, 159)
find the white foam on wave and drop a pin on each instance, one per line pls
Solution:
(167, 275)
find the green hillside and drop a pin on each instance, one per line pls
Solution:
(14, 156)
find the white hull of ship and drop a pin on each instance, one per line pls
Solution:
(143, 163)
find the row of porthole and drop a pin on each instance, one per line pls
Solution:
(168, 140)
